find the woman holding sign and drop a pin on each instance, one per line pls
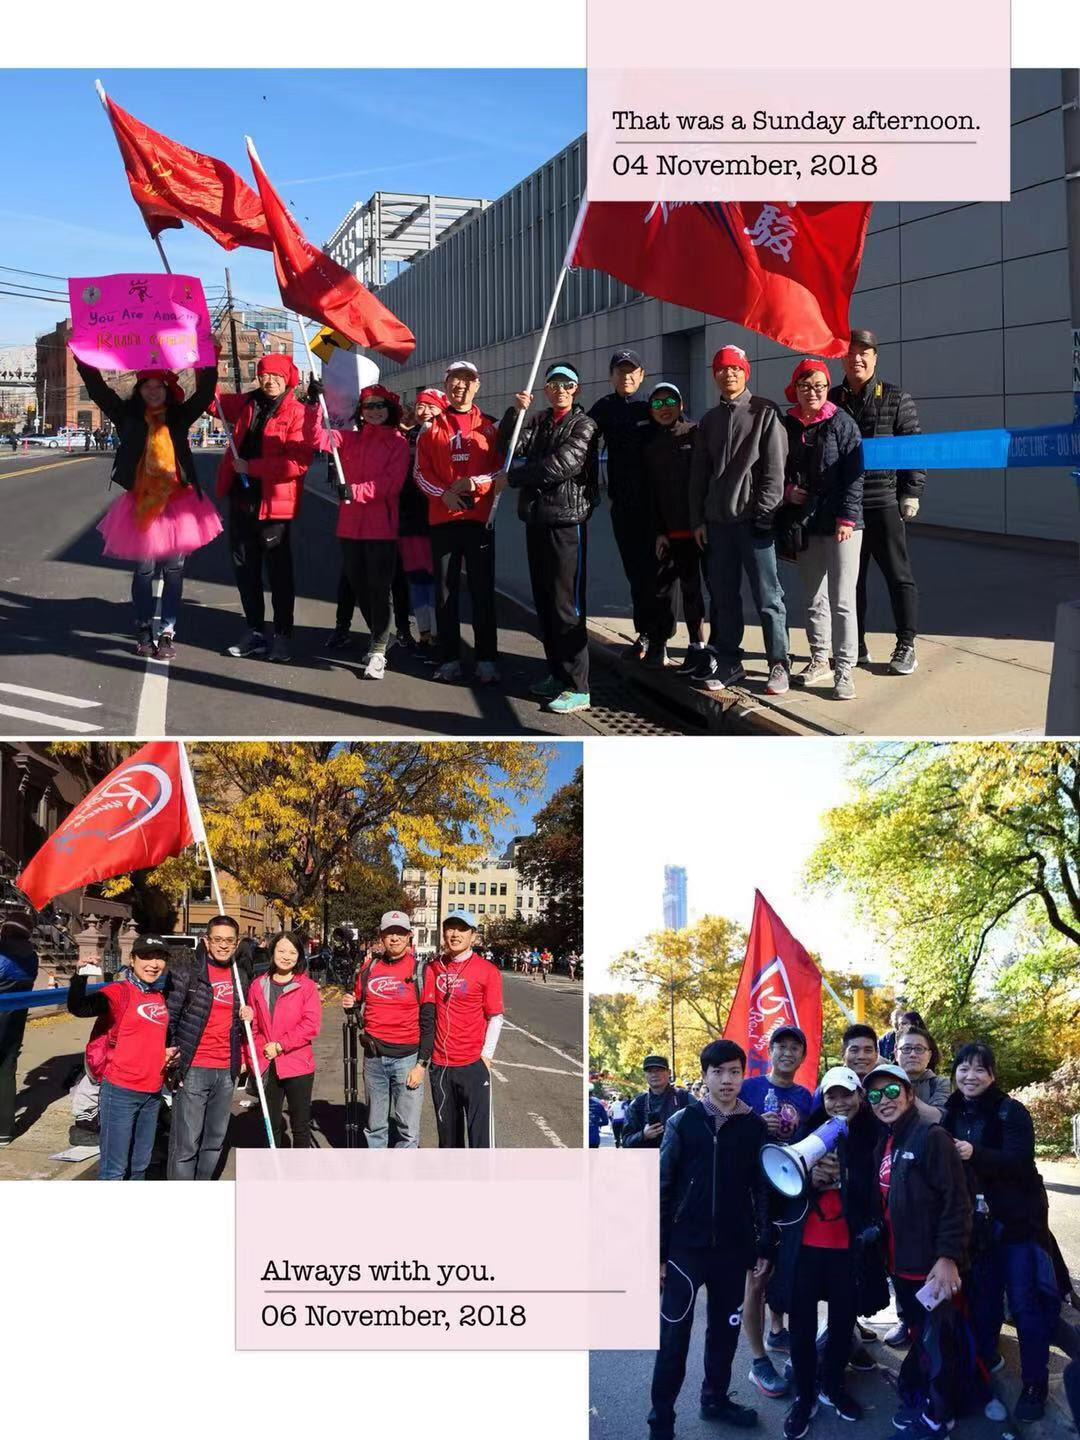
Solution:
(163, 514)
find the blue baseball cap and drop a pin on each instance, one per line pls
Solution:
(566, 371)
(464, 918)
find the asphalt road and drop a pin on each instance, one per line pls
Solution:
(67, 648)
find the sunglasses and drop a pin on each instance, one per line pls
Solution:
(562, 384)
(887, 1092)
(664, 402)
(374, 405)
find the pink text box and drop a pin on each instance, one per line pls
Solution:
(570, 1237)
(813, 73)
(140, 322)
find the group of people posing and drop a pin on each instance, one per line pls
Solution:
(692, 506)
(931, 1190)
(178, 1035)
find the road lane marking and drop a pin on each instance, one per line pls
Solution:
(546, 1130)
(547, 1045)
(153, 700)
(543, 1069)
(31, 694)
(54, 465)
(54, 722)
(498, 1076)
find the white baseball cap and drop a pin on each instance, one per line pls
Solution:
(395, 920)
(466, 365)
(842, 1076)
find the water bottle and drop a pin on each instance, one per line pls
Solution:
(981, 1207)
(772, 1102)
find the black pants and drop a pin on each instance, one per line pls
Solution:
(472, 542)
(616, 1130)
(885, 541)
(400, 592)
(557, 570)
(680, 568)
(12, 1026)
(254, 542)
(821, 1275)
(346, 603)
(635, 535)
(369, 565)
(297, 1091)
(462, 1096)
(724, 1279)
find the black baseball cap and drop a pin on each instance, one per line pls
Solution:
(655, 1062)
(626, 357)
(150, 945)
(864, 338)
(788, 1030)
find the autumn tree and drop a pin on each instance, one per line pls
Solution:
(552, 858)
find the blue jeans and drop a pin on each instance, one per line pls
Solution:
(200, 1118)
(732, 549)
(142, 594)
(389, 1098)
(128, 1125)
(1024, 1272)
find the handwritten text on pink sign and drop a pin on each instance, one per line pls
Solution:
(140, 322)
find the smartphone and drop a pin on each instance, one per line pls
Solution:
(929, 1297)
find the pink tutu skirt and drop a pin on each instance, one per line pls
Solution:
(188, 522)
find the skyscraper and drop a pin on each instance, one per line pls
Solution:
(674, 897)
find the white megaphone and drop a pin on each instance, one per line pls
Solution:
(787, 1167)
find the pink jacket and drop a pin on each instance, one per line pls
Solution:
(375, 460)
(297, 1020)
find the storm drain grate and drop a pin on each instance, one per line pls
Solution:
(618, 708)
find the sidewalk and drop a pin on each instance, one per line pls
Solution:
(987, 614)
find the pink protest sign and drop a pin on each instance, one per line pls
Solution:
(140, 322)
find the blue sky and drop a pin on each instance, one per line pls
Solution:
(70, 212)
(567, 757)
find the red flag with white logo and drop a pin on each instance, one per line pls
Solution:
(142, 812)
(779, 985)
(783, 269)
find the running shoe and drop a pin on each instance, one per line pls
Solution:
(814, 673)
(729, 1412)
(797, 1420)
(252, 644)
(766, 1379)
(903, 660)
(845, 1407)
(568, 702)
(166, 650)
(375, 668)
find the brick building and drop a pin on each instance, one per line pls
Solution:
(61, 396)
(258, 333)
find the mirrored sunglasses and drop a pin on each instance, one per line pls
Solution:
(887, 1092)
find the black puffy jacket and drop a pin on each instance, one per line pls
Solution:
(1002, 1164)
(883, 409)
(129, 417)
(929, 1206)
(188, 1002)
(649, 1109)
(712, 1189)
(556, 484)
(625, 427)
(668, 453)
(826, 459)
(412, 502)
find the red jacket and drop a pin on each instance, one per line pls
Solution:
(289, 443)
(297, 1020)
(375, 460)
(443, 455)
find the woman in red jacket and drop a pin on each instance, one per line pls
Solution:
(276, 438)
(285, 1014)
(375, 459)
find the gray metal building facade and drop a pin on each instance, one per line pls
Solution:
(974, 306)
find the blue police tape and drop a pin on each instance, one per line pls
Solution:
(35, 999)
(1045, 446)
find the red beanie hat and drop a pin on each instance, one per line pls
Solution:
(279, 365)
(168, 378)
(389, 396)
(805, 367)
(431, 396)
(731, 355)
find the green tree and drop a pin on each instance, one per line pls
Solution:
(552, 858)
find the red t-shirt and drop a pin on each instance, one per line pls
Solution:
(215, 1047)
(391, 1004)
(137, 1060)
(884, 1175)
(829, 1230)
(466, 994)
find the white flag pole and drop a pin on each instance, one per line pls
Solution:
(198, 830)
(519, 419)
(344, 493)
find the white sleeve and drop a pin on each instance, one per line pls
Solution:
(491, 1036)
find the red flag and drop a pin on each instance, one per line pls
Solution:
(143, 811)
(785, 270)
(779, 985)
(323, 290)
(171, 183)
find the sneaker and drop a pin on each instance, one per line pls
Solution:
(166, 650)
(405, 639)
(144, 644)
(863, 662)
(861, 1359)
(721, 679)
(906, 1417)
(657, 657)
(252, 644)
(449, 670)
(814, 672)
(797, 1420)
(637, 649)
(547, 688)
(375, 668)
(995, 1410)
(281, 650)
(903, 660)
(729, 1412)
(338, 640)
(6, 1140)
(568, 702)
(692, 659)
(766, 1379)
(845, 1407)
(778, 684)
(487, 672)
(866, 1332)
(84, 1135)
(707, 667)
(897, 1337)
(843, 684)
(1031, 1405)
(778, 1340)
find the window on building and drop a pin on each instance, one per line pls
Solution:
(502, 909)
(502, 889)
(83, 393)
(483, 888)
(480, 909)
(472, 887)
(251, 369)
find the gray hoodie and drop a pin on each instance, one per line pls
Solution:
(737, 470)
